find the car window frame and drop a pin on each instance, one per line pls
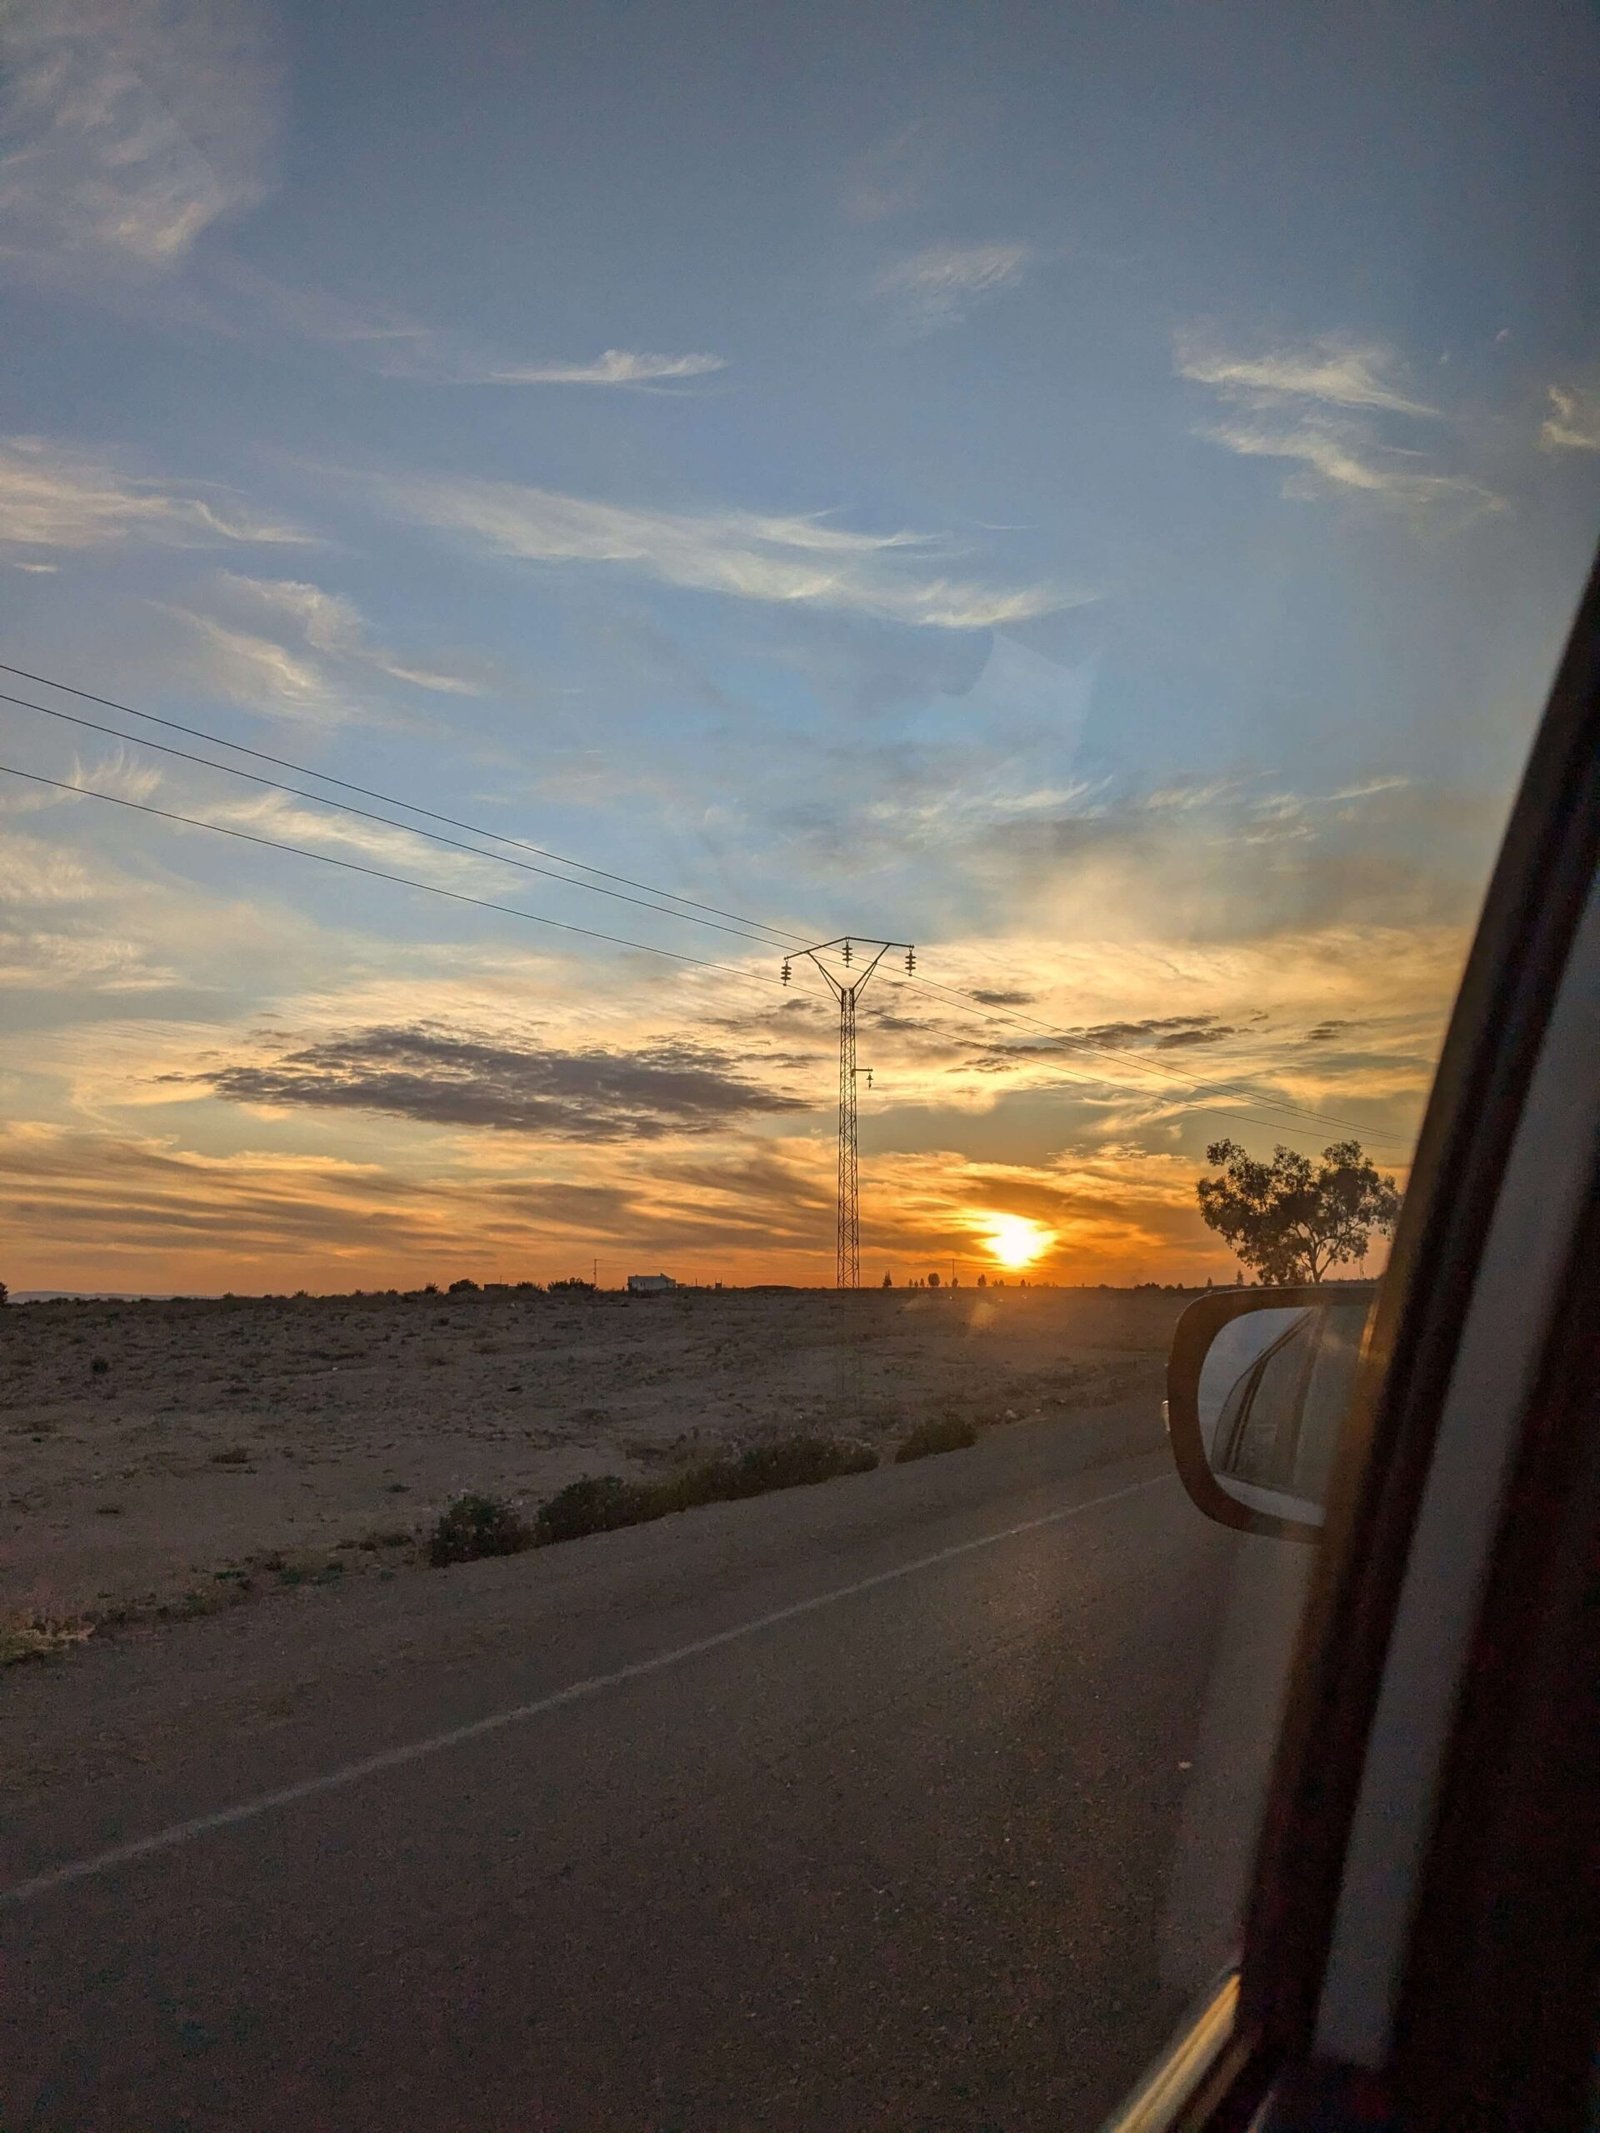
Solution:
(1502, 1982)
(1534, 906)
(1536, 900)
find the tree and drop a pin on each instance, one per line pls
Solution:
(888, 1281)
(5, 1294)
(933, 1281)
(1292, 1221)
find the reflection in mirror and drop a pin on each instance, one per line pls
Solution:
(1274, 1388)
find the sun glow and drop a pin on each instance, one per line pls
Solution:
(1016, 1241)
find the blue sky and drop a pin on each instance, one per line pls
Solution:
(1098, 491)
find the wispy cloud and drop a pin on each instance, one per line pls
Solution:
(130, 127)
(56, 496)
(1573, 424)
(891, 176)
(1334, 372)
(263, 674)
(789, 561)
(119, 772)
(330, 623)
(617, 366)
(35, 959)
(1316, 404)
(292, 649)
(942, 284)
(386, 340)
(1330, 458)
(289, 821)
(35, 873)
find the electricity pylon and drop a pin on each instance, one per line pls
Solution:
(847, 991)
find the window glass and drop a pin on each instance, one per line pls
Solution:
(699, 704)
(1278, 1422)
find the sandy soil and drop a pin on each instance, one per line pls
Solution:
(175, 1456)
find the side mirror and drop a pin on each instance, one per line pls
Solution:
(1258, 1385)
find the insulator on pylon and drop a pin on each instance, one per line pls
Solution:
(911, 961)
(847, 951)
(869, 1077)
(786, 971)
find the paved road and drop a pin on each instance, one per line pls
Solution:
(848, 1808)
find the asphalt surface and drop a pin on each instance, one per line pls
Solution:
(852, 1807)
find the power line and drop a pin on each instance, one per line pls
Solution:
(368, 792)
(481, 903)
(365, 814)
(743, 926)
(758, 927)
(404, 881)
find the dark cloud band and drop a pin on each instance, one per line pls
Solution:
(448, 1079)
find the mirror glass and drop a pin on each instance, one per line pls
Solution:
(1274, 1389)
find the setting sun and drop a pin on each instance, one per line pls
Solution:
(1016, 1241)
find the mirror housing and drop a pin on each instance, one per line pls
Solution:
(1255, 1403)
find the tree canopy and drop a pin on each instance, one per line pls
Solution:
(1292, 1220)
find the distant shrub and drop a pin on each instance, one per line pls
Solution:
(463, 1288)
(306, 1573)
(472, 1525)
(29, 1633)
(790, 1463)
(949, 1434)
(596, 1504)
(600, 1503)
(430, 1288)
(99, 1366)
(797, 1462)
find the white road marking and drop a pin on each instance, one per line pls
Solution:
(414, 1751)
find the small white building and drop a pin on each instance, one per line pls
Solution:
(650, 1284)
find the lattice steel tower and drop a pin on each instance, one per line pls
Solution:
(847, 990)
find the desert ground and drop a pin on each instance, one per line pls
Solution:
(173, 1457)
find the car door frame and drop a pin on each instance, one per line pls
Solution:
(1267, 2047)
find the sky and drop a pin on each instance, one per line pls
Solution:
(1095, 492)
